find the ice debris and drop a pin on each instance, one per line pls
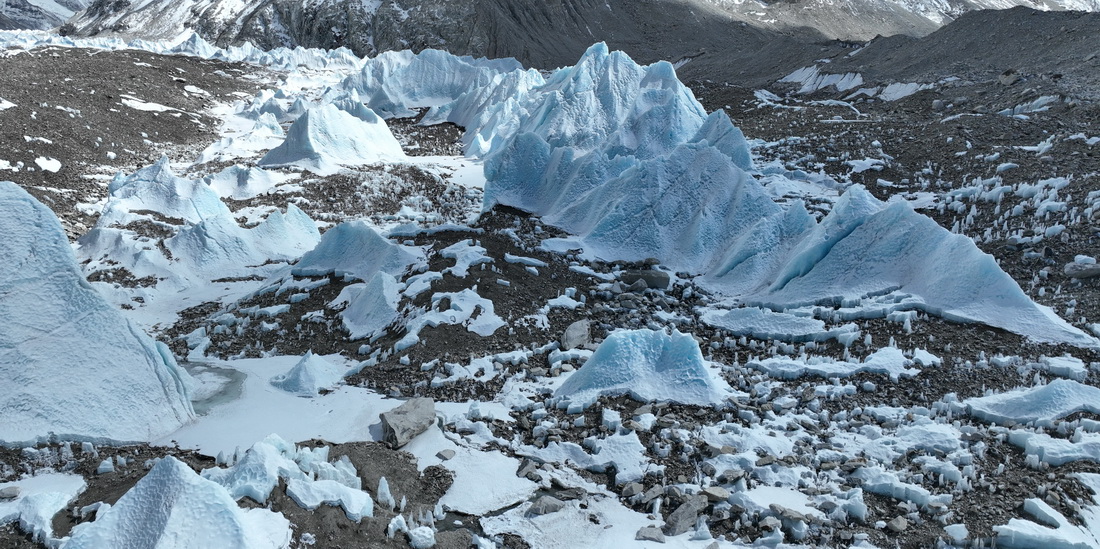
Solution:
(311, 374)
(326, 138)
(1041, 404)
(173, 507)
(646, 365)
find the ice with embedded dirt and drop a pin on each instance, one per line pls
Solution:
(767, 324)
(887, 360)
(120, 384)
(201, 239)
(1050, 528)
(40, 498)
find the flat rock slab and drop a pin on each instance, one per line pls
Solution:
(404, 422)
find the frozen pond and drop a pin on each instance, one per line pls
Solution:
(214, 385)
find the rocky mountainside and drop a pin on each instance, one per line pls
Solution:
(541, 34)
(37, 14)
(866, 19)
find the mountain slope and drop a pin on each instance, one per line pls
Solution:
(37, 14)
(865, 19)
(541, 34)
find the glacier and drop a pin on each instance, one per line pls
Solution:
(625, 158)
(118, 383)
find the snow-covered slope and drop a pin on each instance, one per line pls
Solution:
(71, 364)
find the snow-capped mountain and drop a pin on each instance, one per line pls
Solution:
(862, 20)
(542, 34)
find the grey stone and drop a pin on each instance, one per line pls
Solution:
(683, 518)
(445, 454)
(632, 489)
(650, 533)
(770, 523)
(526, 467)
(571, 494)
(1009, 77)
(404, 422)
(937, 105)
(546, 505)
(716, 494)
(652, 494)
(1078, 270)
(11, 492)
(787, 513)
(897, 525)
(655, 279)
(765, 461)
(576, 335)
(730, 476)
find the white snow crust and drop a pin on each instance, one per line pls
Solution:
(1044, 403)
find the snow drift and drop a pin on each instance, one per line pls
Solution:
(72, 365)
(647, 365)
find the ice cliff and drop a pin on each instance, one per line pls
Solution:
(72, 364)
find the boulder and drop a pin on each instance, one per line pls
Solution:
(650, 533)
(403, 423)
(716, 494)
(10, 492)
(683, 518)
(1081, 270)
(658, 280)
(576, 335)
(898, 525)
(632, 489)
(546, 505)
